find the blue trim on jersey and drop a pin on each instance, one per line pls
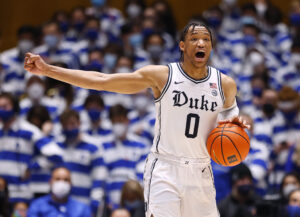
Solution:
(159, 127)
(166, 87)
(152, 168)
(192, 79)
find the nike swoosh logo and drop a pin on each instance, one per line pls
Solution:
(178, 82)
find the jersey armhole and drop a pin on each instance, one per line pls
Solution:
(220, 87)
(166, 87)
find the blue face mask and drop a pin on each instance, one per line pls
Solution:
(98, 3)
(245, 190)
(110, 60)
(92, 34)
(64, 26)
(295, 19)
(94, 114)
(94, 66)
(214, 22)
(257, 91)
(132, 205)
(6, 115)
(249, 40)
(147, 31)
(51, 40)
(290, 116)
(293, 211)
(136, 40)
(79, 26)
(71, 134)
(245, 20)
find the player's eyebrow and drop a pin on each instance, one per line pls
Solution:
(196, 32)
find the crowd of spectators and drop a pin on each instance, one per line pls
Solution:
(63, 147)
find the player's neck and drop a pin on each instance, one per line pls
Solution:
(196, 73)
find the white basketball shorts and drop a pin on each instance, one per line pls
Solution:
(179, 187)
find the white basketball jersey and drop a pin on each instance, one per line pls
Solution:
(186, 112)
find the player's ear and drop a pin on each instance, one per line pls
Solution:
(181, 46)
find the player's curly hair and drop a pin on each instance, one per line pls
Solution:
(193, 24)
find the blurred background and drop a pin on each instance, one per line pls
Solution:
(63, 147)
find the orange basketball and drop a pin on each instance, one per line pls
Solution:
(228, 144)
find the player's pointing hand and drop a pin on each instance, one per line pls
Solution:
(35, 64)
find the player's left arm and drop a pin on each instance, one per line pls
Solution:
(230, 111)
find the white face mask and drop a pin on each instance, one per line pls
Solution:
(261, 8)
(119, 130)
(123, 69)
(25, 45)
(35, 91)
(256, 58)
(61, 189)
(229, 2)
(133, 10)
(288, 189)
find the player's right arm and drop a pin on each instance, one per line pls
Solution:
(154, 77)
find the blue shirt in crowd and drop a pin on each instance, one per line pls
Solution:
(47, 207)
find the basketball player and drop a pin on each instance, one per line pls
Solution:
(190, 98)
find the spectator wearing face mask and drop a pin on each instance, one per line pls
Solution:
(132, 198)
(288, 75)
(20, 209)
(111, 54)
(293, 208)
(38, 115)
(242, 199)
(281, 41)
(289, 105)
(124, 157)
(36, 92)
(12, 61)
(269, 128)
(84, 160)
(290, 182)
(4, 202)
(150, 24)
(93, 38)
(134, 9)
(231, 17)
(153, 52)
(59, 202)
(94, 63)
(20, 143)
(111, 18)
(54, 48)
(94, 119)
(75, 31)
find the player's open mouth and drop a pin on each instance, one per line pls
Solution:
(200, 55)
